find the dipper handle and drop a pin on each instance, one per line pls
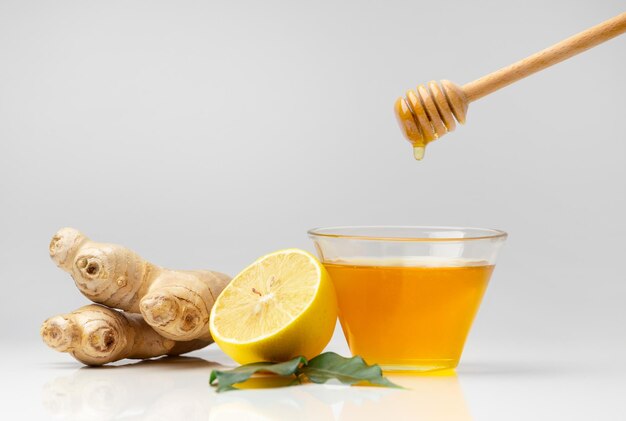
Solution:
(557, 53)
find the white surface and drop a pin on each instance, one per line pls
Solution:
(38, 383)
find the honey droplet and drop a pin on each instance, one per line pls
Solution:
(418, 152)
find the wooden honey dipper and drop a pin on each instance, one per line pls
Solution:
(430, 111)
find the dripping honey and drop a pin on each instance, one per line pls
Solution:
(401, 314)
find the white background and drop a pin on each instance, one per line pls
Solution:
(205, 134)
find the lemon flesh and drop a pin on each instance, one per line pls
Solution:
(280, 307)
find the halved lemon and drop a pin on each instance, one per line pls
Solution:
(281, 306)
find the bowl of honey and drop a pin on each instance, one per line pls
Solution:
(408, 295)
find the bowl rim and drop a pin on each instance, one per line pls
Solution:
(489, 233)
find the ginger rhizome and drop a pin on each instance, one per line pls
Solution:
(97, 335)
(175, 303)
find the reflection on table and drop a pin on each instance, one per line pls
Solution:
(177, 388)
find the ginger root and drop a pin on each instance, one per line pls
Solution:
(176, 304)
(97, 335)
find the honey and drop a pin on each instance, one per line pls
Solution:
(408, 314)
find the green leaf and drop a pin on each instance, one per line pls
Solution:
(227, 378)
(320, 369)
(353, 370)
